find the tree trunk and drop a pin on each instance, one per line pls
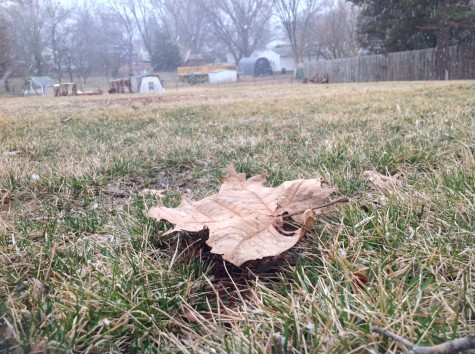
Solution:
(6, 84)
(38, 66)
(443, 53)
(442, 49)
(59, 73)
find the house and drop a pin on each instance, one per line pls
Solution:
(193, 59)
(38, 86)
(281, 58)
(230, 58)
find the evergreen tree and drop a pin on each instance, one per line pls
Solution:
(165, 54)
(399, 25)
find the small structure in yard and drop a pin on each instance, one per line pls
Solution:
(222, 76)
(150, 84)
(281, 58)
(38, 86)
(142, 84)
(65, 89)
(255, 67)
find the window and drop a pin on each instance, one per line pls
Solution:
(151, 86)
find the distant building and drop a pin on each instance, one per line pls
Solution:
(144, 55)
(230, 59)
(150, 84)
(193, 59)
(281, 58)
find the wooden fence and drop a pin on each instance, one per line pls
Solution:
(401, 66)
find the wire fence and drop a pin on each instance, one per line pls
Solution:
(401, 66)
(171, 82)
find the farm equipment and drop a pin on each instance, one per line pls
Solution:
(199, 74)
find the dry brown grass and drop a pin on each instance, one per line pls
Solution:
(83, 269)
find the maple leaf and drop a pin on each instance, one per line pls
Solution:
(247, 221)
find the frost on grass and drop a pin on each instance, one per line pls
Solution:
(247, 221)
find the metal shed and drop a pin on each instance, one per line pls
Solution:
(150, 83)
(255, 67)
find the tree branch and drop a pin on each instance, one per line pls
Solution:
(450, 347)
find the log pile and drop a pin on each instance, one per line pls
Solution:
(317, 79)
(65, 89)
(120, 86)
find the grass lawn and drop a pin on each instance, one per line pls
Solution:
(83, 270)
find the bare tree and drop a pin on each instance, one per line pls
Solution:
(86, 41)
(57, 16)
(331, 32)
(32, 34)
(296, 18)
(161, 14)
(116, 41)
(126, 20)
(6, 55)
(337, 29)
(7, 45)
(239, 24)
(139, 12)
(191, 26)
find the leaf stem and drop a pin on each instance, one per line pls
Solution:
(340, 200)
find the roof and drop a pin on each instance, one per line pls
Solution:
(276, 43)
(247, 65)
(283, 51)
(136, 77)
(221, 71)
(44, 81)
(125, 78)
(193, 56)
(197, 56)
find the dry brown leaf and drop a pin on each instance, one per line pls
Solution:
(190, 316)
(360, 279)
(248, 221)
(155, 192)
(7, 202)
(37, 289)
(382, 182)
